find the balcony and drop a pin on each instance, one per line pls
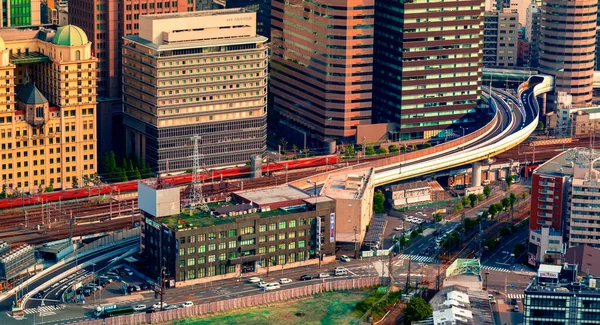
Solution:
(544, 207)
(547, 184)
(546, 191)
(544, 223)
(544, 215)
(545, 199)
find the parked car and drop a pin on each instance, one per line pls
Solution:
(399, 228)
(144, 286)
(139, 307)
(285, 281)
(323, 275)
(345, 258)
(187, 304)
(516, 308)
(138, 288)
(306, 277)
(254, 280)
(128, 271)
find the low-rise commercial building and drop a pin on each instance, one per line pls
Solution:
(410, 193)
(252, 234)
(16, 261)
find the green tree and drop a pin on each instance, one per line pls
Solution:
(137, 174)
(437, 217)
(472, 199)
(402, 241)
(393, 149)
(492, 210)
(74, 183)
(145, 171)
(50, 188)
(295, 149)
(513, 199)
(487, 191)
(469, 224)
(480, 197)
(130, 170)
(350, 150)
(540, 126)
(518, 249)
(484, 215)
(505, 203)
(121, 175)
(381, 151)
(510, 180)
(490, 243)
(427, 145)
(465, 201)
(3, 193)
(457, 208)
(524, 195)
(414, 234)
(369, 151)
(403, 149)
(378, 202)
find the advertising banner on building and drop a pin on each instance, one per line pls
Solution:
(318, 234)
(332, 227)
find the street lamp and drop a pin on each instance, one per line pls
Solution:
(463, 130)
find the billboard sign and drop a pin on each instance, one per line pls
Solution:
(331, 227)
(548, 275)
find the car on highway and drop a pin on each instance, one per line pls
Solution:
(254, 280)
(345, 258)
(285, 281)
(324, 275)
(422, 214)
(187, 304)
(139, 307)
(306, 277)
(168, 307)
(272, 286)
(516, 308)
(157, 305)
(144, 286)
(262, 284)
(128, 271)
(138, 288)
(399, 228)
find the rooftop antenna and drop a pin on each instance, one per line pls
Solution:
(196, 199)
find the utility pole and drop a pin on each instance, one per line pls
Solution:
(437, 278)
(355, 241)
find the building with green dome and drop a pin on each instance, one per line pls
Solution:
(47, 108)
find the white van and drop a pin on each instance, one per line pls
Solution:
(340, 271)
(272, 286)
(485, 182)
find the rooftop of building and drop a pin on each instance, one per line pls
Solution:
(30, 95)
(462, 305)
(274, 194)
(559, 165)
(198, 44)
(226, 212)
(410, 186)
(562, 279)
(347, 186)
(201, 13)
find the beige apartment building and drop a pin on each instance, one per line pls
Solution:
(196, 73)
(47, 108)
(500, 42)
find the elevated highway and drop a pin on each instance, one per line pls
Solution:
(515, 118)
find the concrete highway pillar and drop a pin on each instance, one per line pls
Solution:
(476, 174)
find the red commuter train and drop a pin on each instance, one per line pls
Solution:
(130, 186)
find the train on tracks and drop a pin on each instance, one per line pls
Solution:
(131, 186)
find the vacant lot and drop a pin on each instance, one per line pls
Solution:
(330, 308)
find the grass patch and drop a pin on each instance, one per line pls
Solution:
(380, 308)
(328, 308)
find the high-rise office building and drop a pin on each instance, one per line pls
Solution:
(428, 68)
(20, 13)
(532, 33)
(263, 13)
(200, 73)
(500, 42)
(106, 22)
(568, 47)
(48, 130)
(321, 76)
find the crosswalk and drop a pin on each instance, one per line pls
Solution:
(419, 258)
(515, 296)
(45, 310)
(496, 268)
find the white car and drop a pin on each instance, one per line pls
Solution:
(128, 271)
(345, 258)
(272, 286)
(254, 280)
(262, 284)
(285, 281)
(187, 304)
(157, 305)
(139, 307)
(323, 275)
(399, 228)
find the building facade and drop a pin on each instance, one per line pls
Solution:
(532, 33)
(47, 114)
(428, 68)
(500, 42)
(106, 22)
(524, 53)
(262, 9)
(244, 239)
(16, 261)
(321, 76)
(201, 73)
(568, 47)
(20, 13)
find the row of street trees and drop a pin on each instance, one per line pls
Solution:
(128, 169)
